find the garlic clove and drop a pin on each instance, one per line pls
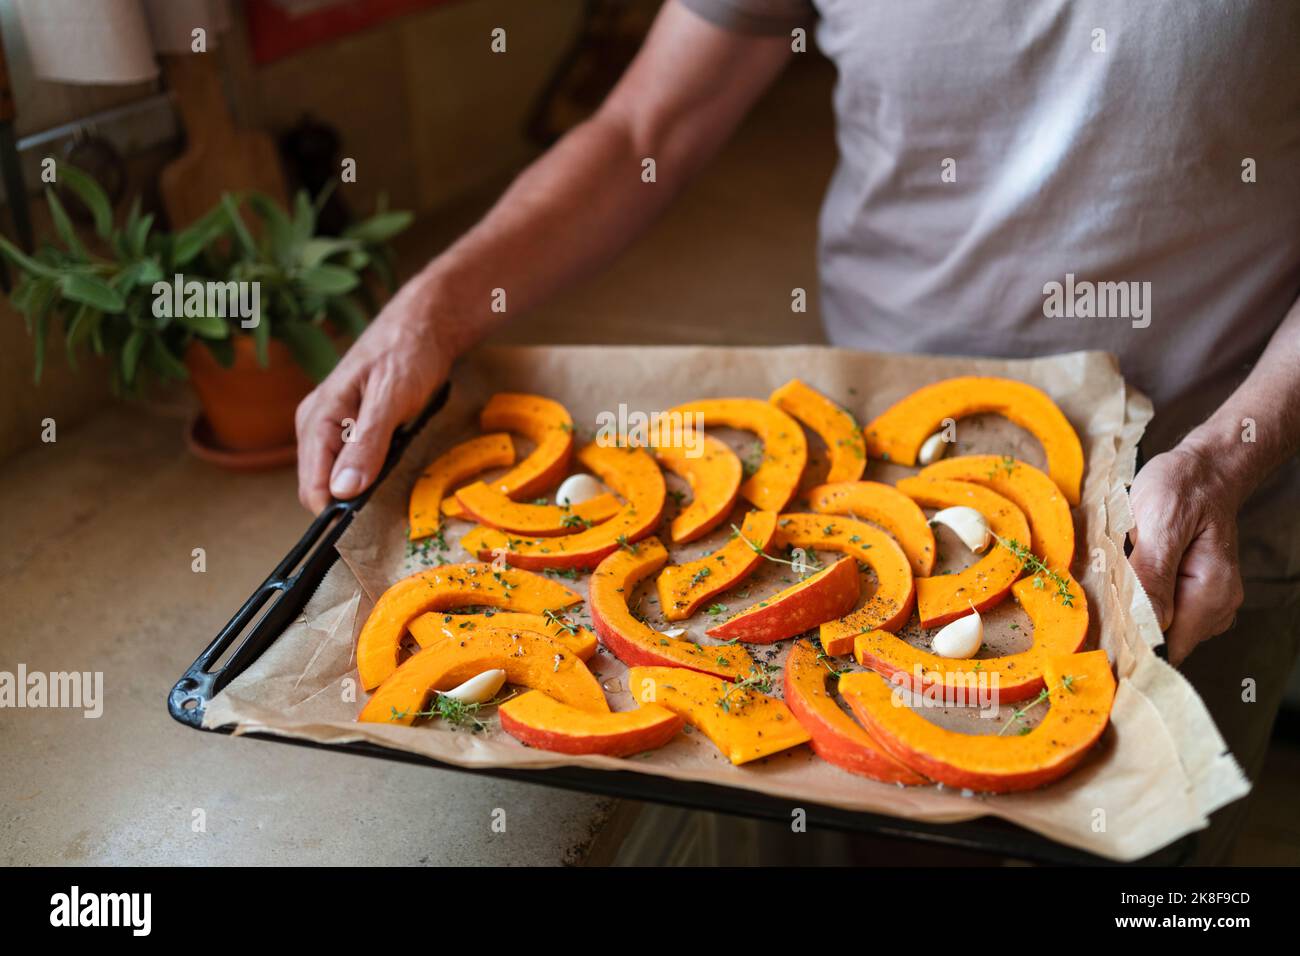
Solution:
(576, 489)
(968, 524)
(674, 632)
(961, 639)
(478, 689)
(932, 449)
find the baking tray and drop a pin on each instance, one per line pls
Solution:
(278, 601)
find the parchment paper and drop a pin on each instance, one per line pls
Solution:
(1160, 769)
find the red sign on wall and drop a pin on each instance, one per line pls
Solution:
(280, 28)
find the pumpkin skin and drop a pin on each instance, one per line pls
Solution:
(985, 583)
(830, 593)
(891, 605)
(492, 508)
(430, 628)
(457, 464)
(834, 425)
(547, 423)
(785, 450)
(529, 659)
(886, 506)
(991, 763)
(684, 587)
(714, 478)
(630, 472)
(898, 433)
(1059, 630)
(754, 726)
(1051, 527)
(634, 642)
(541, 721)
(437, 589)
(835, 736)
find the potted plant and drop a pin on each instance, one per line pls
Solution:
(249, 312)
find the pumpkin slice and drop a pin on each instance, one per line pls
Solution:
(543, 420)
(490, 507)
(1081, 690)
(630, 472)
(827, 595)
(430, 628)
(1060, 627)
(743, 723)
(1051, 528)
(458, 464)
(897, 435)
(983, 585)
(437, 589)
(834, 425)
(886, 506)
(634, 642)
(684, 587)
(529, 659)
(541, 721)
(836, 738)
(785, 450)
(890, 606)
(714, 476)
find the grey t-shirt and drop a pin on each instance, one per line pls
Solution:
(989, 149)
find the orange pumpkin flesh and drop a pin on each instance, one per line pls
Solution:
(785, 450)
(541, 721)
(946, 597)
(714, 477)
(550, 427)
(1078, 714)
(430, 628)
(890, 606)
(886, 506)
(834, 425)
(835, 737)
(450, 586)
(743, 723)
(634, 642)
(529, 659)
(825, 596)
(1051, 528)
(1059, 629)
(460, 463)
(897, 434)
(492, 508)
(630, 472)
(684, 587)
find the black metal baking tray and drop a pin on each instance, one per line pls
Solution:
(281, 597)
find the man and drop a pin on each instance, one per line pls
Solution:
(993, 156)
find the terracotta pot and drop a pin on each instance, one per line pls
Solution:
(248, 407)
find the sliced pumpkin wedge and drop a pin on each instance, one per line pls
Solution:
(946, 597)
(1081, 689)
(436, 626)
(437, 589)
(898, 433)
(886, 506)
(492, 508)
(459, 463)
(891, 604)
(785, 450)
(541, 419)
(829, 594)
(633, 641)
(684, 587)
(541, 721)
(714, 475)
(630, 472)
(742, 722)
(835, 426)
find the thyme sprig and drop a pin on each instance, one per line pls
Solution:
(1018, 715)
(1034, 564)
(759, 679)
(800, 566)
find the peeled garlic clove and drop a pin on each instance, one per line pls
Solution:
(968, 524)
(576, 489)
(961, 639)
(478, 689)
(674, 632)
(932, 449)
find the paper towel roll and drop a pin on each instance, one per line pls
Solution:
(172, 22)
(77, 42)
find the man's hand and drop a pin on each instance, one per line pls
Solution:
(1185, 546)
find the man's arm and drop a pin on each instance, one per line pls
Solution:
(571, 211)
(1185, 501)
